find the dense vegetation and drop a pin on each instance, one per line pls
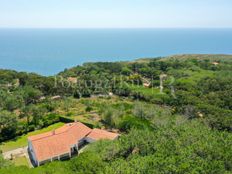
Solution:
(178, 146)
(184, 129)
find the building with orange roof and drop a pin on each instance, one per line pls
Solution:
(98, 134)
(63, 142)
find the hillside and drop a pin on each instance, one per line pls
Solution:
(174, 114)
(216, 57)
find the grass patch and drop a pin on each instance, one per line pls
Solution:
(150, 94)
(145, 91)
(193, 77)
(129, 122)
(21, 141)
(77, 109)
(88, 118)
(21, 161)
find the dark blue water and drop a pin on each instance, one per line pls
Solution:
(48, 51)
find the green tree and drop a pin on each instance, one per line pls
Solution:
(8, 125)
(30, 94)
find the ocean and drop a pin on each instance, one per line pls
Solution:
(49, 51)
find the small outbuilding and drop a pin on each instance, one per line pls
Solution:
(215, 63)
(57, 97)
(72, 79)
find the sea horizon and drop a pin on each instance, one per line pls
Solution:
(47, 51)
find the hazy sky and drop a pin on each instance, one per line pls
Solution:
(115, 13)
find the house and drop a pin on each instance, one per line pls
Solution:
(146, 85)
(57, 97)
(146, 82)
(215, 63)
(72, 80)
(42, 98)
(110, 93)
(64, 142)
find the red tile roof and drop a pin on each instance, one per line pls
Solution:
(58, 142)
(97, 134)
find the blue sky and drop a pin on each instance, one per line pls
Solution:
(115, 13)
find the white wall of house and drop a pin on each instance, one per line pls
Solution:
(32, 152)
